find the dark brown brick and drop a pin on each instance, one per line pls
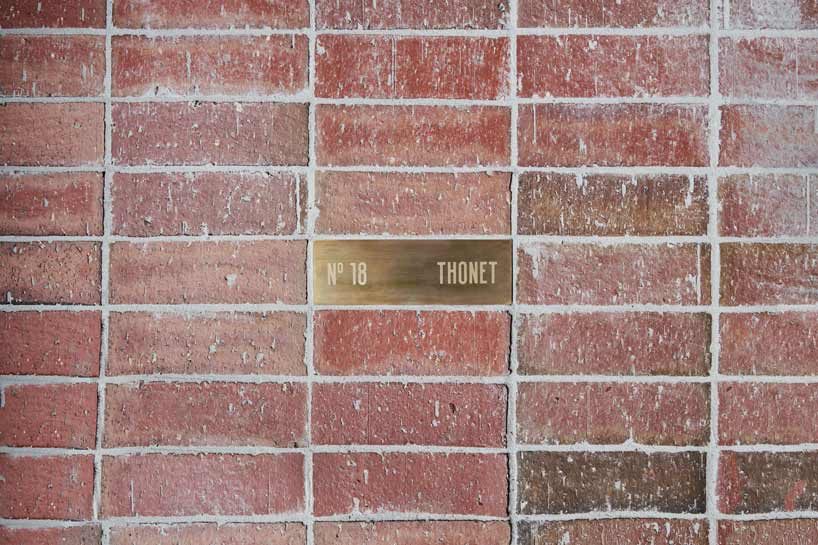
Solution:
(763, 482)
(616, 531)
(769, 532)
(771, 274)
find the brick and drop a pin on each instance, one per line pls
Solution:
(368, 483)
(70, 134)
(613, 413)
(411, 67)
(769, 68)
(579, 482)
(613, 13)
(614, 344)
(768, 532)
(794, 14)
(51, 204)
(218, 203)
(572, 135)
(209, 133)
(52, 65)
(51, 415)
(201, 344)
(50, 343)
(603, 205)
(768, 136)
(420, 14)
(756, 413)
(221, 414)
(413, 343)
(763, 482)
(413, 204)
(208, 272)
(46, 487)
(33, 13)
(619, 531)
(766, 205)
(50, 272)
(209, 65)
(598, 274)
(207, 534)
(774, 274)
(465, 415)
(412, 533)
(769, 344)
(412, 135)
(70, 535)
(612, 66)
(199, 484)
(224, 14)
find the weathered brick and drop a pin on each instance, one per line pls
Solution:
(614, 344)
(202, 344)
(69, 535)
(208, 272)
(618, 531)
(766, 205)
(413, 343)
(195, 133)
(421, 14)
(205, 65)
(763, 482)
(70, 134)
(598, 274)
(613, 13)
(52, 65)
(564, 204)
(579, 482)
(207, 534)
(774, 274)
(411, 67)
(784, 68)
(199, 484)
(571, 135)
(223, 14)
(467, 415)
(613, 413)
(51, 204)
(413, 204)
(756, 413)
(49, 415)
(46, 487)
(795, 14)
(612, 66)
(768, 532)
(412, 135)
(157, 413)
(768, 136)
(50, 272)
(204, 203)
(412, 533)
(458, 484)
(50, 343)
(58, 14)
(769, 344)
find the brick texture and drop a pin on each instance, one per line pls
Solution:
(767, 206)
(768, 136)
(639, 13)
(752, 413)
(796, 14)
(761, 482)
(31, 14)
(75, 535)
(205, 533)
(412, 533)
(622, 532)
(768, 532)
(768, 274)
(46, 487)
(420, 14)
(193, 14)
(769, 68)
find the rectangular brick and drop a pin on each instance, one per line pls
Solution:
(49, 415)
(209, 65)
(34, 13)
(50, 343)
(580, 482)
(217, 203)
(211, 414)
(412, 533)
(766, 205)
(595, 66)
(768, 136)
(785, 68)
(51, 204)
(411, 343)
(794, 14)
(420, 14)
(50, 272)
(769, 274)
(200, 484)
(223, 14)
(69, 535)
(52, 65)
(769, 344)
(768, 532)
(614, 344)
(603, 205)
(222, 133)
(201, 344)
(411, 67)
(599, 274)
(613, 13)
(572, 135)
(413, 204)
(616, 531)
(208, 272)
(612, 413)
(756, 413)
(209, 533)
(412, 135)
(763, 482)
(70, 134)
(465, 415)
(46, 487)
(368, 483)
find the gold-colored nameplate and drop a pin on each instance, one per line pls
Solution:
(424, 272)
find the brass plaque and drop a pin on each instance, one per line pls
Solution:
(424, 272)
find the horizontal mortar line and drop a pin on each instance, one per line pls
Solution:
(593, 448)
(256, 450)
(772, 515)
(609, 515)
(769, 447)
(387, 516)
(631, 307)
(156, 33)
